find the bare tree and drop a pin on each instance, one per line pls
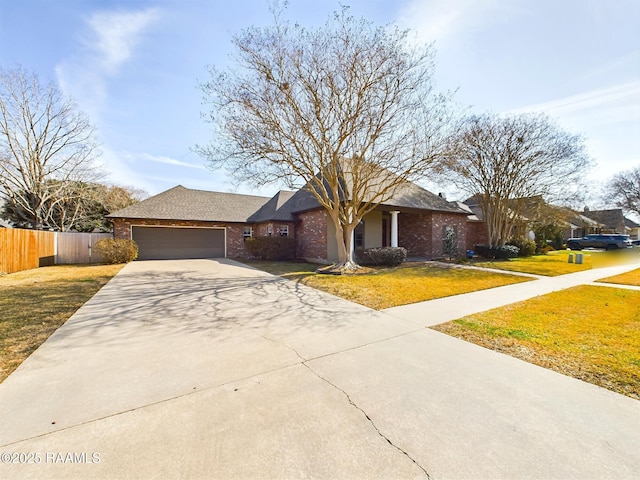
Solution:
(504, 160)
(624, 190)
(46, 145)
(83, 207)
(346, 111)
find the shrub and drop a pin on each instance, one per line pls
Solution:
(508, 251)
(549, 234)
(384, 256)
(450, 242)
(526, 247)
(271, 248)
(116, 250)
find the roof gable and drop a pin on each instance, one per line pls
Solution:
(278, 208)
(612, 219)
(180, 203)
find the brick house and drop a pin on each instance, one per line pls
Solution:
(185, 223)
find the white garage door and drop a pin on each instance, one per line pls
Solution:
(163, 243)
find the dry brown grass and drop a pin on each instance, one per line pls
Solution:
(588, 332)
(629, 278)
(557, 262)
(34, 303)
(552, 264)
(391, 287)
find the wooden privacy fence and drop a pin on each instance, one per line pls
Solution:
(25, 249)
(78, 247)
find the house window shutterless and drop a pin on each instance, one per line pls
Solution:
(247, 232)
(283, 230)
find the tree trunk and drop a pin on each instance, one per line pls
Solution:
(343, 239)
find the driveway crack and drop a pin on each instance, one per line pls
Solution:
(371, 422)
(286, 346)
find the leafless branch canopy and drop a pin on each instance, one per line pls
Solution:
(503, 160)
(624, 190)
(45, 145)
(311, 107)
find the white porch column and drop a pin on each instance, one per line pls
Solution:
(352, 244)
(394, 228)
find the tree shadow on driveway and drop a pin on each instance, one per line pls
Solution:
(158, 331)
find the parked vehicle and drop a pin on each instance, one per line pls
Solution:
(606, 242)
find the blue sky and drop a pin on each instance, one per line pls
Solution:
(133, 66)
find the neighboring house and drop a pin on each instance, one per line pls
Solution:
(632, 228)
(185, 223)
(536, 210)
(577, 225)
(477, 233)
(614, 221)
(476, 226)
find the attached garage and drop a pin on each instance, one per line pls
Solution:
(164, 243)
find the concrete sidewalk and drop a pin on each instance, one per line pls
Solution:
(446, 309)
(209, 369)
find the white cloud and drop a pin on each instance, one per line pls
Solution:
(608, 118)
(122, 172)
(440, 20)
(108, 44)
(162, 159)
(115, 35)
(615, 104)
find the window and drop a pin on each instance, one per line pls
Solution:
(359, 235)
(247, 233)
(283, 230)
(269, 229)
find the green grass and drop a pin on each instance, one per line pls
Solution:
(391, 287)
(34, 303)
(588, 332)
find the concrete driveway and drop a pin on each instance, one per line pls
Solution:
(209, 369)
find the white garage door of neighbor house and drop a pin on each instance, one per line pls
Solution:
(163, 243)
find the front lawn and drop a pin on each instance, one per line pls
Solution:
(391, 287)
(629, 278)
(588, 332)
(552, 264)
(34, 303)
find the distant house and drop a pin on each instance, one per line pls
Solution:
(632, 228)
(536, 210)
(186, 223)
(614, 221)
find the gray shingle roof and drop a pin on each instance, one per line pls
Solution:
(180, 203)
(278, 208)
(408, 196)
(613, 219)
(630, 223)
(412, 196)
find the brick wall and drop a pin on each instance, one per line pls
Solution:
(414, 234)
(311, 235)
(439, 221)
(422, 234)
(476, 234)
